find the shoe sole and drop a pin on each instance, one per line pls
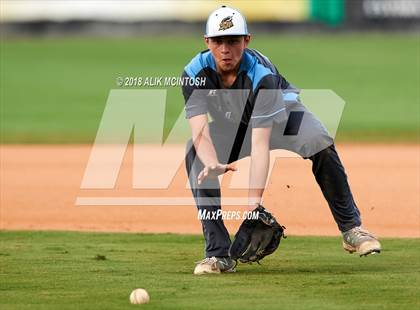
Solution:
(352, 249)
(202, 272)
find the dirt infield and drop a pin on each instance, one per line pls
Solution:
(40, 185)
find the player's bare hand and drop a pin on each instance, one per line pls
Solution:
(213, 171)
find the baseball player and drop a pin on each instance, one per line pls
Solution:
(253, 110)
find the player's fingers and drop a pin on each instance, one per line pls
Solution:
(200, 177)
(231, 168)
(203, 174)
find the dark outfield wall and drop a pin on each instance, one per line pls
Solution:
(325, 15)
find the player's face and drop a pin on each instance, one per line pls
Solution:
(227, 51)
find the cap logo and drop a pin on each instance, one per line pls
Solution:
(226, 23)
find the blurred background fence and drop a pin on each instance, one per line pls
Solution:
(128, 17)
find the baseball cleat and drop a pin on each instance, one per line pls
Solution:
(360, 241)
(215, 265)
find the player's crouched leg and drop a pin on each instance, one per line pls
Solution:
(332, 179)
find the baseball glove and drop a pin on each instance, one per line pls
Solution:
(257, 238)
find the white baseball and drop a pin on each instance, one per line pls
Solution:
(139, 296)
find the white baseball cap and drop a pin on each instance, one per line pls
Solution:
(226, 21)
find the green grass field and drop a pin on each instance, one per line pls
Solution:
(54, 90)
(61, 270)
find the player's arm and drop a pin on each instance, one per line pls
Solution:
(260, 162)
(267, 111)
(205, 149)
